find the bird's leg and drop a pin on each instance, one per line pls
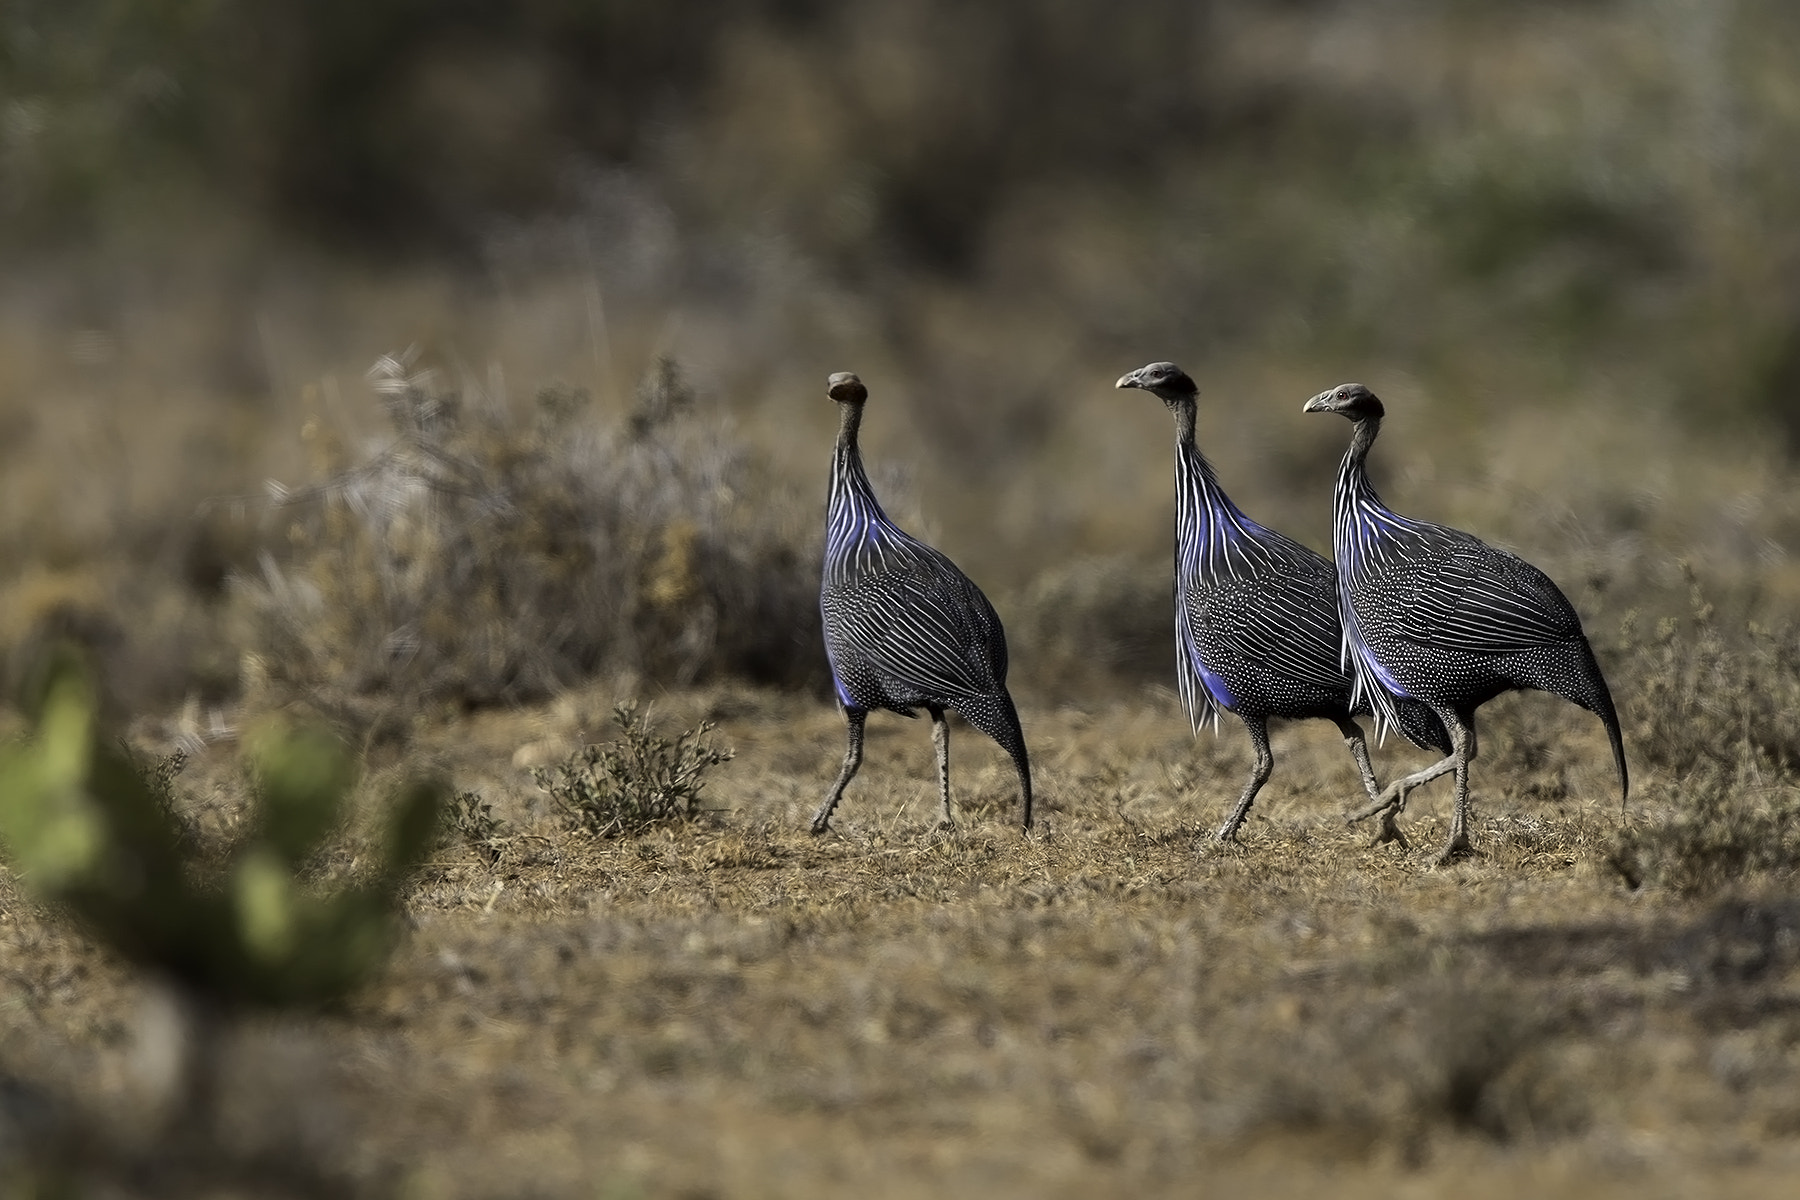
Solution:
(1359, 750)
(1259, 775)
(1389, 830)
(853, 720)
(1394, 795)
(1392, 802)
(940, 741)
(1462, 737)
(1390, 812)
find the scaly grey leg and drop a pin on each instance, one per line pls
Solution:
(1259, 775)
(1392, 802)
(1462, 737)
(1359, 750)
(940, 741)
(853, 720)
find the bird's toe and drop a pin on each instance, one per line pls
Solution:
(1390, 832)
(1455, 852)
(1385, 805)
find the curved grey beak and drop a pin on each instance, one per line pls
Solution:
(1319, 403)
(1126, 381)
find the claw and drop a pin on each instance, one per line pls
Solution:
(1459, 848)
(1390, 800)
(1390, 831)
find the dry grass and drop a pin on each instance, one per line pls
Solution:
(1112, 1004)
(484, 555)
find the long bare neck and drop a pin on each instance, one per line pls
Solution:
(1207, 524)
(1191, 466)
(849, 422)
(1356, 510)
(852, 512)
(849, 482)
(1353, 473)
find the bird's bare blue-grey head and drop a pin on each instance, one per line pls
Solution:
(1353, 400)
(1164, 380)
(846, 388)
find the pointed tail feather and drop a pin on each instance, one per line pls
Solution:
(1589, 690)
(1618, 745)
(995, 716)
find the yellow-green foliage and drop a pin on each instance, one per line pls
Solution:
(87, 832)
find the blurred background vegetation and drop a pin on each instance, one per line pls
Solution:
(1558, 238)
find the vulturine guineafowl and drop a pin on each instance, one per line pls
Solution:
(1256, 618)
(1436, 615)
(904, 628)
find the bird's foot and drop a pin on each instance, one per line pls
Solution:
(1390, 831)
(1227, 834)
(819, 825)
(1391, 802)
(1458, 848)
(945, 825)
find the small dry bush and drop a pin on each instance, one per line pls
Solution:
(470, 821)
(1726, 829)
(641, 780)
(1718, 691)
(1711, 713)
(487, 556)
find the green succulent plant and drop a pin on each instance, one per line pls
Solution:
(86, 831)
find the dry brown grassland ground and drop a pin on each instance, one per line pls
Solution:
(1110, 1005)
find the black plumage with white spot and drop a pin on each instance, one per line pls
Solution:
(1256, 622)
(904, 628)
(1436, 615)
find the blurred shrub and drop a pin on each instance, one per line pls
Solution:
(1609, 180)
(640, 780)
(397, 124)
(90, 833)
(1728, 827)
(1709, 708)
(482, 557)
(1092, 623)
(1708, 692)
(471, 821)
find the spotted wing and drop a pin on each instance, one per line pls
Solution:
(933, 634)
(1477, 599)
